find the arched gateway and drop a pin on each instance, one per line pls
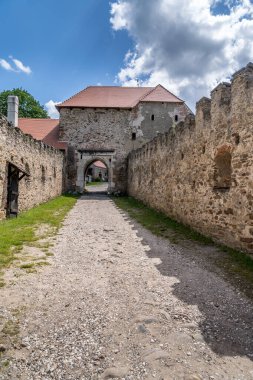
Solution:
(86, 157)
(106, 123)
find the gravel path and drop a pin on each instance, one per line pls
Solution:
(118, 302)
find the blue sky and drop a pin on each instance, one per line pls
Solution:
(55, 48)
(67, 44)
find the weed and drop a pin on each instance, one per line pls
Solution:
(27, 266)
(42, 263)
(10, 328)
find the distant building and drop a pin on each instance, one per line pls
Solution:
(97, 172)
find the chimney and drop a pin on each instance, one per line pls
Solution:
(12, 114)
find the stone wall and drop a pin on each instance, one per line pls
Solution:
(201, 172)
(45, 165)
(98, 129)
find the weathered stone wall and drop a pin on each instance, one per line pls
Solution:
(201, 172)
(151, 118)
(44, 163)
(112, 129)
(98, 129)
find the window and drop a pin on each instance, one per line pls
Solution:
(222, 171)
(176, 118)
(133, 136)
(43, 175)
(152, 117)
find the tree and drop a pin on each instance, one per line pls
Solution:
(28, 106)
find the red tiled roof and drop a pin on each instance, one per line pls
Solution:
(118, 97)
(160, 94)
(99, 164)
(46, 130)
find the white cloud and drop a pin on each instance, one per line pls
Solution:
(21, 67)
(184, 45)
(51, 110)
(119, 12)
(5, 65)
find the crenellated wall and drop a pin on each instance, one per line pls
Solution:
(201, 172)
(45, 165)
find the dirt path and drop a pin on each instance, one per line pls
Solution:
(118, 302)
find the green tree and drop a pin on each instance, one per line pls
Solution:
(28, 106)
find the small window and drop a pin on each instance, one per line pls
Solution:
(43, 174)
(176, 118)
(152, 117)
(222, 171)
(133, 136)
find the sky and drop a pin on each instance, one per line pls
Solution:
(55, 48)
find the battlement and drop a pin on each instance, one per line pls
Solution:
(203, 166)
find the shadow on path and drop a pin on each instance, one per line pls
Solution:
(227, 324)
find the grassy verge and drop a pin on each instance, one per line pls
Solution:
(16, 232)
(157, 222)
(95, 183)
(235, 264)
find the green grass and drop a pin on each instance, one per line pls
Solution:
(236, 266)
(16, 232)
(157, 222)
(27, 266)
(95, 183)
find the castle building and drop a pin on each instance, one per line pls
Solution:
(105, 124)
(195, 169)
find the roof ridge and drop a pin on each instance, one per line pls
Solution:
(84, 89)
(79, 92)
(144, 96)
(36, 118)
(121, 86)
(170, 92)
(140, 99)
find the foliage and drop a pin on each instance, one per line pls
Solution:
(28, 105)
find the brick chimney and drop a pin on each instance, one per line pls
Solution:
(12, 114)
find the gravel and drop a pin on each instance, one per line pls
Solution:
(119, 302)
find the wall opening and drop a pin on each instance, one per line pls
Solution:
(222, 171)
(96, 177)
(134, 136)
(176, 118)
(152, 117)
(43, 174)
(15, 175)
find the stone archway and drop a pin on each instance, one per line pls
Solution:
(86, 158)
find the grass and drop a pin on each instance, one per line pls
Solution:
(27, 266)
(11, 328)
(157, 222)
(95, 183)
(22, 230)
(235, 265)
